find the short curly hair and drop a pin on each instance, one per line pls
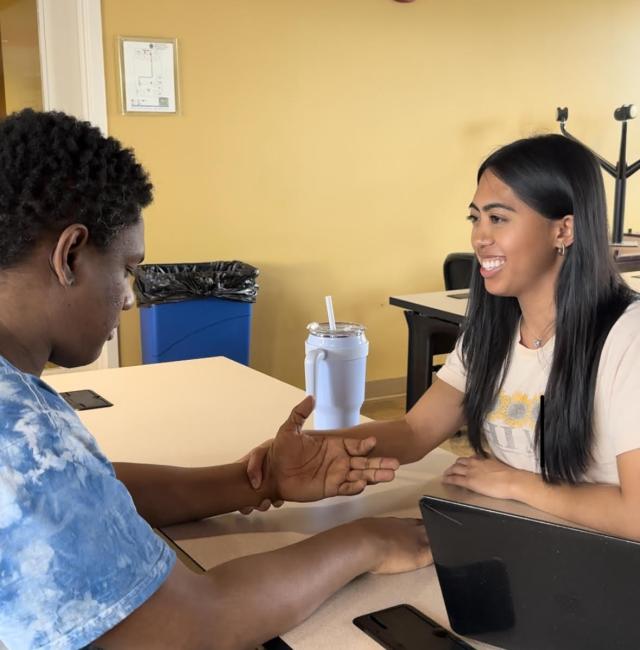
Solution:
(56, 170)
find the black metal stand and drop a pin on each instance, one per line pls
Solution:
(621, 171)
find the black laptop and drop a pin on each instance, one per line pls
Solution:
(516, 578)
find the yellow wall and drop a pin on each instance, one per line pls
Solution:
(334, 143)
(20, 54)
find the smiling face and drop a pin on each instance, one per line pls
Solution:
(98, 289)
(516, 247)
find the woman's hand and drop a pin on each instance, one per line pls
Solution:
(404, 544)
(307, 467)
(486, 476)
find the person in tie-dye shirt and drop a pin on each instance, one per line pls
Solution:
(79, 563)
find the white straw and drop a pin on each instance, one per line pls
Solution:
(332, 318)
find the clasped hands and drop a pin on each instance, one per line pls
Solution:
(298, 466)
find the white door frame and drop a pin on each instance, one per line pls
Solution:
(72, 70)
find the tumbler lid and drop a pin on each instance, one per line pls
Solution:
(342, 330)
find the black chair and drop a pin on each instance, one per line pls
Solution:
(457, 269)
(431, 336)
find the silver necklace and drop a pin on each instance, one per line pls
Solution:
(537, 341)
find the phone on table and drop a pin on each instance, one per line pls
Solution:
(84, 400)
(403, 627)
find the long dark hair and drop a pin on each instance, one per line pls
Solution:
(556, 177)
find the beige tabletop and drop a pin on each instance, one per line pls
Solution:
(212, 411)
(189, 413)
(632, 278)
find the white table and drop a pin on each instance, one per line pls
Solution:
(189, 413)
(212, 411)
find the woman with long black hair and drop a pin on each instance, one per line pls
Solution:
(549, 317)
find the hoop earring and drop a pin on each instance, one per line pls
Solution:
(561, 249)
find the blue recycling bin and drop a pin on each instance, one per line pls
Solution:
(192, 329)
(190, 311)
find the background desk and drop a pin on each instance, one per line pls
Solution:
(212, 411)
(427, 315)
(627, 258)
(432, 322)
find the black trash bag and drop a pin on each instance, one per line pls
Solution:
(158, 283)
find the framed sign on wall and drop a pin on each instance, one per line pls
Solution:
(148, 74)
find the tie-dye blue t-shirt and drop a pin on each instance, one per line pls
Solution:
(75, 556)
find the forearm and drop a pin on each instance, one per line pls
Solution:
(394, 439)
(166, 495)
(268, 594)
(247, 601)
(602, 507)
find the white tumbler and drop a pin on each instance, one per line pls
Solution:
(335, 367)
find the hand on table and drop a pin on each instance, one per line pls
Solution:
(486, 476)
(405, 544)
(304, 467)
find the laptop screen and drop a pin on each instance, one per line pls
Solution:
(517, 581)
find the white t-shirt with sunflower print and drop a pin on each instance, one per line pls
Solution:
(510, 425)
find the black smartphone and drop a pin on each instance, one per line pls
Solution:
(83, 400)
(403, 627)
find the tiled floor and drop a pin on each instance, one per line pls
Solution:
(389, 408)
